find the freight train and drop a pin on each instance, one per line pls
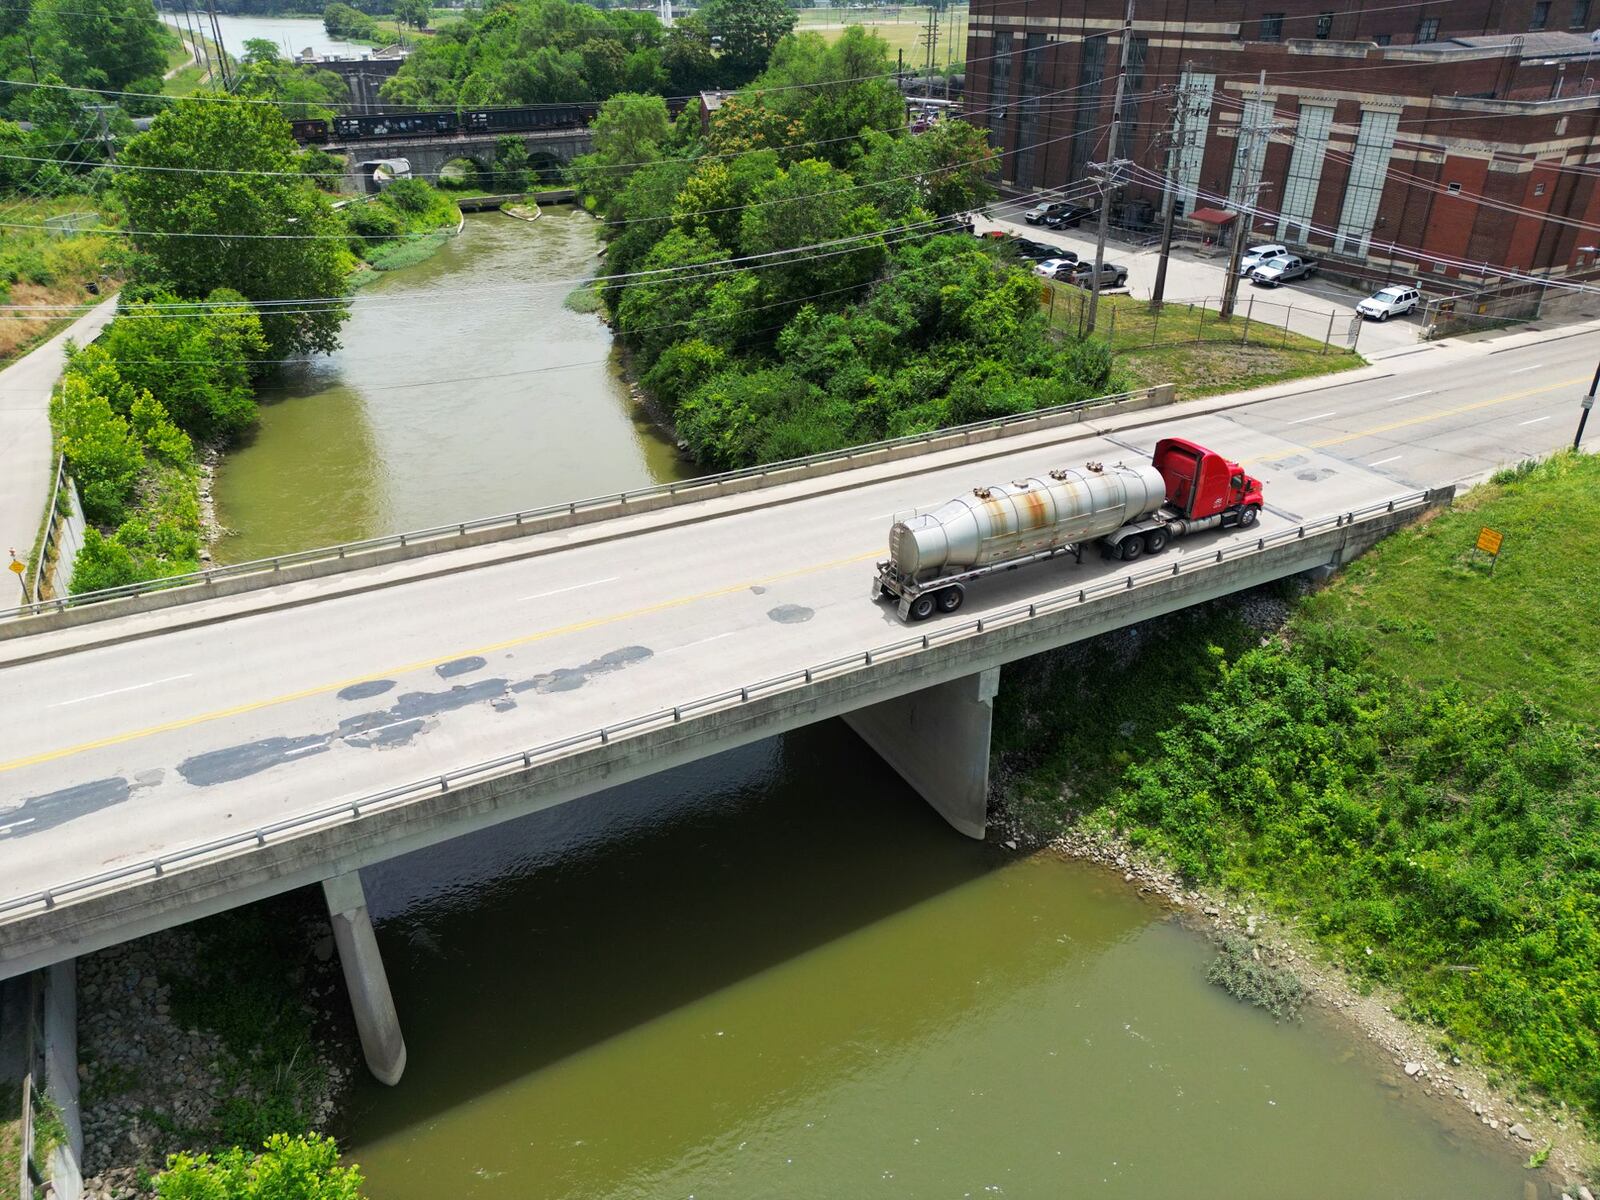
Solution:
(1129, 510)
(378, 126)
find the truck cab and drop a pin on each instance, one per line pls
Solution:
(1201, 483)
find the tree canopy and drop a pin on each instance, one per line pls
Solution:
(251, 221)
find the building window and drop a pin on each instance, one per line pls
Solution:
(1369, 166)
(1580, 14)
(1428, 29)
(1541, 16)
(1305, 172)
(1272, 27)
(1381, 39)
(1091, 75)
(1454, 189)
(1538, 189)
(1324, 26)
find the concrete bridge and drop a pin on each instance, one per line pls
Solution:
(548, 152)
(178, 750)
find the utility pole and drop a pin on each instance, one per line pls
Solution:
(222, 51)
(1180, 142)
(1113, 169)
(1244, 207)
(930, 39)
(1588, 403)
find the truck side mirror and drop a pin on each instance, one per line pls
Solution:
(1237, 481)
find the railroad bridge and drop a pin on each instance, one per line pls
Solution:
(548, 150)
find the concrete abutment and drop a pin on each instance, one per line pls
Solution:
(937, 740)
(377, 1023)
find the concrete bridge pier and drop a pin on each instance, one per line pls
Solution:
(376, 1020)
(937, 740)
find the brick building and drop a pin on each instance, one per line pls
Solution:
(1456, 139)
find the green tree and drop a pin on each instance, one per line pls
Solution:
(629, 130)
(301, 91)
(689, 57)
(100, 446)
(414, 13)
(743, 124)
(344, 21)
(259, 227)
(287, 1168)
(944, 170)
(750, 30)
(834, 92)
(814, 210)
(99, 43)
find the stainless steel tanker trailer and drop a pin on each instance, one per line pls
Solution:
(1128, 510)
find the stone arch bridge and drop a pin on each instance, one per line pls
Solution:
(427, 156)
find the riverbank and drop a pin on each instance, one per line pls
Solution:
(1419, 825)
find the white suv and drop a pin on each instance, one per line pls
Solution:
(1257, 256)
(1390, 302)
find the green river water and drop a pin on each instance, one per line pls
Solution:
(775, 973)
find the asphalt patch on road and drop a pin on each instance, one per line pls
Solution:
(38, 813)
(366, 689)
(412, 715)
(1313, 474)
(233, 763)
(791, 614)
(461, 666)
(567, 679)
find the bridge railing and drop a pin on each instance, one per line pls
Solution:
(686, 488)
(347, 810)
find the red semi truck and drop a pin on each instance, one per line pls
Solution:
(1128, 510)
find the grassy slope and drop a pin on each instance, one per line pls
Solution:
(1399, 778)
(1191, 349)
(904, 34)
(47, 270)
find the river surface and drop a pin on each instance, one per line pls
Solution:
(464, 389)
(290, 35)
(775, 973)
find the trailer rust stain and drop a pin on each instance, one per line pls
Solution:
(1036, 513)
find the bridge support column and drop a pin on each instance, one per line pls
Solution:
(364, 976)
(937, 740)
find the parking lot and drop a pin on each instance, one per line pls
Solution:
(1197, 278)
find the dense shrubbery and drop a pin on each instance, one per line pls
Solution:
(1445, 841)
(343, 21)
(287, 1168)
(788, 291)
(126, 415)
(402, 224)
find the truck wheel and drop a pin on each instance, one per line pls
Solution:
(1155, 541)
(1132, 547)
(1248, 517)
(950, 599)
(922, 607)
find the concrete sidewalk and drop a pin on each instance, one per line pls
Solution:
(25, 458)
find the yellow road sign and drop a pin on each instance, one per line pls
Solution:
(17, 567)
(1489, 540)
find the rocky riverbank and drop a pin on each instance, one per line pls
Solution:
(1473, 1094)
(207, 1036)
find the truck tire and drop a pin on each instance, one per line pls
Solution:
(1247, 517)
(1131, 547)
(922, 607)
(1155, 541)
(950, 598)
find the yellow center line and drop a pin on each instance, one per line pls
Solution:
(1435, 415)
(422, 664)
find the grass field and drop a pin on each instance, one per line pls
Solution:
(904, 29)
(1189, 347)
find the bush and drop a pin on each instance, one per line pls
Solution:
(1237, 972)
(287, 1168)
(101, 449)
(409, 195)
(373, 222)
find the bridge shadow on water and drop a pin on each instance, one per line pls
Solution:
(514, 948)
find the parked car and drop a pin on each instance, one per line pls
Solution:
(1039, 251)
(1256, 255)
(1394, 301)
(1047, 208)
(1051, 268)
(1082, 274)
(1070, 216)
(1283, 269)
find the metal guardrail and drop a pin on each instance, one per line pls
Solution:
(615, 499)
(525, 759)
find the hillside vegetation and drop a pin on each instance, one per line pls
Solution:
(1412, 772)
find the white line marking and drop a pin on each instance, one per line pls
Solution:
(573, 588)
(1381, 461)
(1520, 370)
(1536, 420)
(1318, 417)
(118, 691)
(1410, 396)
